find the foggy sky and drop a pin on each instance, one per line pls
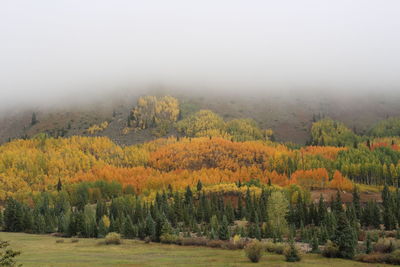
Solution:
(52, 49)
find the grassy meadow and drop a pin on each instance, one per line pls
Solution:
(43, 251)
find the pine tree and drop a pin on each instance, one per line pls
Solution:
(356, 202)
(13, 216)
(368, 244)
(344, 237)
(101, 210)
(188, 196)
(199, 186)
(389, 218)
(150, 228)
(224, 229)
(214, 227)
(315, 244)
(291, 253)
(34, 119)
(59, 185)
(1, 220)
(128, 229)
(102, 232)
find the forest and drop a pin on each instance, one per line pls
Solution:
(211, 182)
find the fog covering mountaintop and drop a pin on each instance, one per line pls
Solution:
(68, 51)
(80, 63)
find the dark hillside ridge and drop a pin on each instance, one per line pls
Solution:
(290, 117)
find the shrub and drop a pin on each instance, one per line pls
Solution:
(292, 253)
(394, 257)
(147, 239)
(194, 241)
(169, 239)
(217, 244)
(330, 250)
(385, 245)
(74, 240)
(113, 239)
(236, 245)
(7, 255)
(60, 241)
(277, 248)
(254, 251)
(372, 258)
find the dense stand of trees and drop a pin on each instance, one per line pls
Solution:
(94, 209)
(35, 165)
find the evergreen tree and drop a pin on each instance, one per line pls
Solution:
(101, 210)
(356, 202)
(344, 237)
(166, 228)
(389, 218)
(59, 185)
(368, 244)
(128, 228)
(291, 253)
(315, 244)
(150, 229)
(199, 186)
(34, 119)
(39, 224)
(214, 227)
(188, 196)
(13, 216)
(224, 229)
(102, 232)
(1, 220)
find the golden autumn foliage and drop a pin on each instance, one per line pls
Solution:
(203, 123)
(97, 127)
(315, 178)
(340, 182)
(152, 111)
(329, 152)
(29, 166)
(219, 153)
(36, 164)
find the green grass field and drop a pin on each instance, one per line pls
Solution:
(43, 251)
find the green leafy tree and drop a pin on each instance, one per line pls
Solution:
(278, 206)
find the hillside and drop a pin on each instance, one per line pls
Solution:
(290, 117)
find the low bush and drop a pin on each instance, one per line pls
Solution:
(330, 250)
(235, 245)
(277, 248)
(292, 253)
(60, 241)
(386, 245)
(394, 257)
(217, 244)
(74, 240)
(113, 239)
(193, 241)
(169, 239)
(372, 258)
(254, 251)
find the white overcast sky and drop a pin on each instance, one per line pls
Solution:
(57, 47)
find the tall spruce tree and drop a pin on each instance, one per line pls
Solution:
(224, 229)
(344, 237)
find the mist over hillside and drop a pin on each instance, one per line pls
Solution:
(289, 114)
